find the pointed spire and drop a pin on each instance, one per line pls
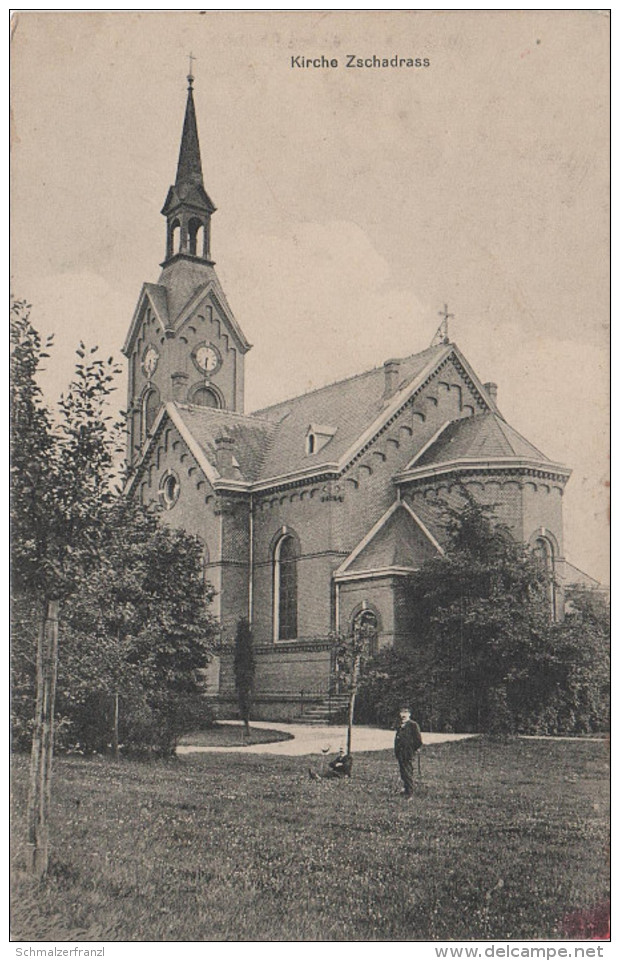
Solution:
(189, 168)
(188, 207)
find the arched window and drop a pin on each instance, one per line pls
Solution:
(543, 552)
(205, 397)
(174, 238)
(150, 407)
(311, 443)
(285, 558)
(196, 237)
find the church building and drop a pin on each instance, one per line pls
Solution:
(313, 512)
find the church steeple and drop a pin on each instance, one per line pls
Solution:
(189, 169)
(188, 207)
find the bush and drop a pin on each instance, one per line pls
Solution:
(147, 725)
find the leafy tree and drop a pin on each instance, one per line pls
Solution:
(486, 655)
(59, 487)
(32, 445)
(351, 652)
(62, 469)
(137, 634)
(129, 591)
(244, 667)
(582, 660)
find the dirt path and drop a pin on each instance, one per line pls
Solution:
(316, 739)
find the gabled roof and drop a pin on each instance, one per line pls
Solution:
(272, 449)
(356, 407)
(399, 541)
(574, 577)
(210, 285)
(174, 303)
(156, 296)
(350, 405)
(199, 427)
(252, 436)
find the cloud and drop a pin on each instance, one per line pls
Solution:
(319, 304)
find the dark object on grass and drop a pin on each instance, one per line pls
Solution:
(337, 769)
(340, 767)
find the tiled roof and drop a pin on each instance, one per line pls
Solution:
(574, 577)
(252, 436)
(481, 437)
(400, 542)
(350, 406)
(181, 280)
(434, 517)
(159, 299)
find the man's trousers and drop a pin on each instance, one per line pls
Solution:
(406, 772)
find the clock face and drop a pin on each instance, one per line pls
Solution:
(206, 358)
(150, 360)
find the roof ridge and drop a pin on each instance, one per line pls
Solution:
(504, 423)
(229, 413)
(345, 380)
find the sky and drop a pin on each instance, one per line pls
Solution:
(353, 203)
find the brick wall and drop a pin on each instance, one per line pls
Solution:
(175, 357)
(367, 485)
(282, 670)
(309, 515)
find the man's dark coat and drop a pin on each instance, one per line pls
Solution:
(407, 741)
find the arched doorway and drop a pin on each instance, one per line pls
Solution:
(367, 622)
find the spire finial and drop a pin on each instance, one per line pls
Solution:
(441, 336)
(190, 76)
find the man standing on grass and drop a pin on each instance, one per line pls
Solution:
(408, 740)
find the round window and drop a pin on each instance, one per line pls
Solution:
(169, 489)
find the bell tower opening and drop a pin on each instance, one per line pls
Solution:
(188, 207)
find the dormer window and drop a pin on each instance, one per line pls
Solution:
(317, 436)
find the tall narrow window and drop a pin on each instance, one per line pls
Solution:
(285, 588)
(196, 237)
(543, 551)
(150, 407)
(174, 238)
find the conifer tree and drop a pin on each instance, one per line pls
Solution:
(244, 666)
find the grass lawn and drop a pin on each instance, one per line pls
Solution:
(502, 841)
(233, 735)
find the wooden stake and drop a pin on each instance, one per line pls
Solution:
(39, 793)
(354, 674)
(115, 728)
